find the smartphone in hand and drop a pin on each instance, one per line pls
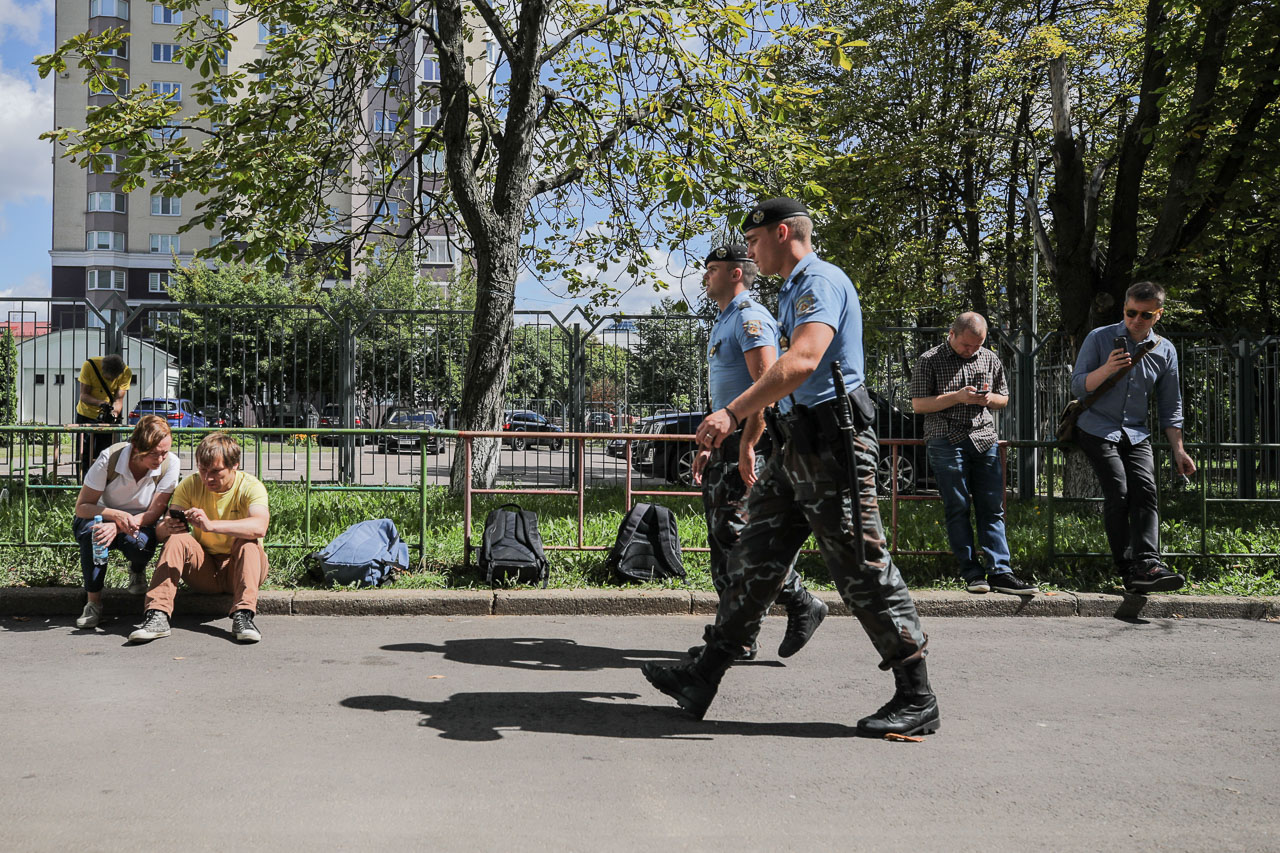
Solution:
(1118, 342)
(180, 517)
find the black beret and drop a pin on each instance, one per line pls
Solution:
(773, 210)
(734, 253)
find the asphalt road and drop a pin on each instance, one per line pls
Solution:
(526, 733)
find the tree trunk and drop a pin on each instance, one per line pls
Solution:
(484, 384)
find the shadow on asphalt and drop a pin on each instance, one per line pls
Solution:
(484, 716)
(546, 653)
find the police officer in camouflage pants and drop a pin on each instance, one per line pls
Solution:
(742, 346)
(806, 486)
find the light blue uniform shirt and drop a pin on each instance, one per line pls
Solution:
(820, 292)
(1125, 406)
(742, 326)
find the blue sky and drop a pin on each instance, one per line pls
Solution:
(26, 177)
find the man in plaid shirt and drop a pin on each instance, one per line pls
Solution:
(955, 386)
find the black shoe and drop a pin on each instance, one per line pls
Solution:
(1007, 582)
(801, 623)
(1155, 579)
(690, 690)
(913, 710)
(977, 586)
(242, 627)
(747, 654)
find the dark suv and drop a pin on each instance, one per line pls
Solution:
(671, 460)
(331, 418)
(522, 420)
(892, 422)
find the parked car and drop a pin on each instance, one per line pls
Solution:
(398, 438)
(671, 460)
(224, 418)
(331, 418)
(599, 422)
(290, 416)
(520, 420)
(177, 411)
(892, 422)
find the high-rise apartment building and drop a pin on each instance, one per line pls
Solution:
(117, 250)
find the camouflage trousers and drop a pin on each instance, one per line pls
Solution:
(724, 504)
(804, 488)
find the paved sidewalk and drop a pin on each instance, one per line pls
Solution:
(68, 601)
(539, 733)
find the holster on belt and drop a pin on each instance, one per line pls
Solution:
(775, 426)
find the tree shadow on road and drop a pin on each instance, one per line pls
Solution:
(485, 716)
(545, 653)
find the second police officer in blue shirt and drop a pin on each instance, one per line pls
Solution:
(743, 345)
(807, 486)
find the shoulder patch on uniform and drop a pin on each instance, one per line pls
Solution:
(805, 305)
(751, 327)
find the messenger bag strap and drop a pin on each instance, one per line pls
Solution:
(106, 386)
(1113, 379)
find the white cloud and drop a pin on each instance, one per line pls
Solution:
(26, 169)
(23, 21)
(683, 282)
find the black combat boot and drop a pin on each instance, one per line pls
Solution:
(693, 685)
(913, 710)
(802, 621)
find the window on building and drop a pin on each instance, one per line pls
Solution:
(166, 205)
(266, 32)
(165, 15)
(161, 52)
(156, 319)
(430, 68)
(105, 280)
(158, 282)
(166, 134)
(120, 51)
(109, 241)
(430, 116)
(106, 202)
(170, 168)
(106, 164)
(385, 121)
(388, 77)
(109, 9)
(172, 91)
(436, 250)
(388, 213)
(214, 239)
(221, 18)
(165, 244)
(39, 378)
(99, 85)
(60, 379)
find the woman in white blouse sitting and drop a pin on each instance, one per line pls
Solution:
(129, 485)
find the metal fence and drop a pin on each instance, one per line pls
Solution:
(305, 366)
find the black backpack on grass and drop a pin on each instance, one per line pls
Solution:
(648, 546)
(512, 547)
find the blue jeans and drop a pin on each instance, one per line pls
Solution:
(968, 478)
(94, 578)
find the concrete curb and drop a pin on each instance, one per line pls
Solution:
(68, 601)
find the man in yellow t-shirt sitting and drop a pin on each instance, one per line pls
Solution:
(104, 380)
(227, 516)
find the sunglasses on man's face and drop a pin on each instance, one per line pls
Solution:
(1146, 315)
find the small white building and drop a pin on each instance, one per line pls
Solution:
(49, 373)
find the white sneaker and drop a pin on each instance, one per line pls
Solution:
(138, 583)
(91, 617)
